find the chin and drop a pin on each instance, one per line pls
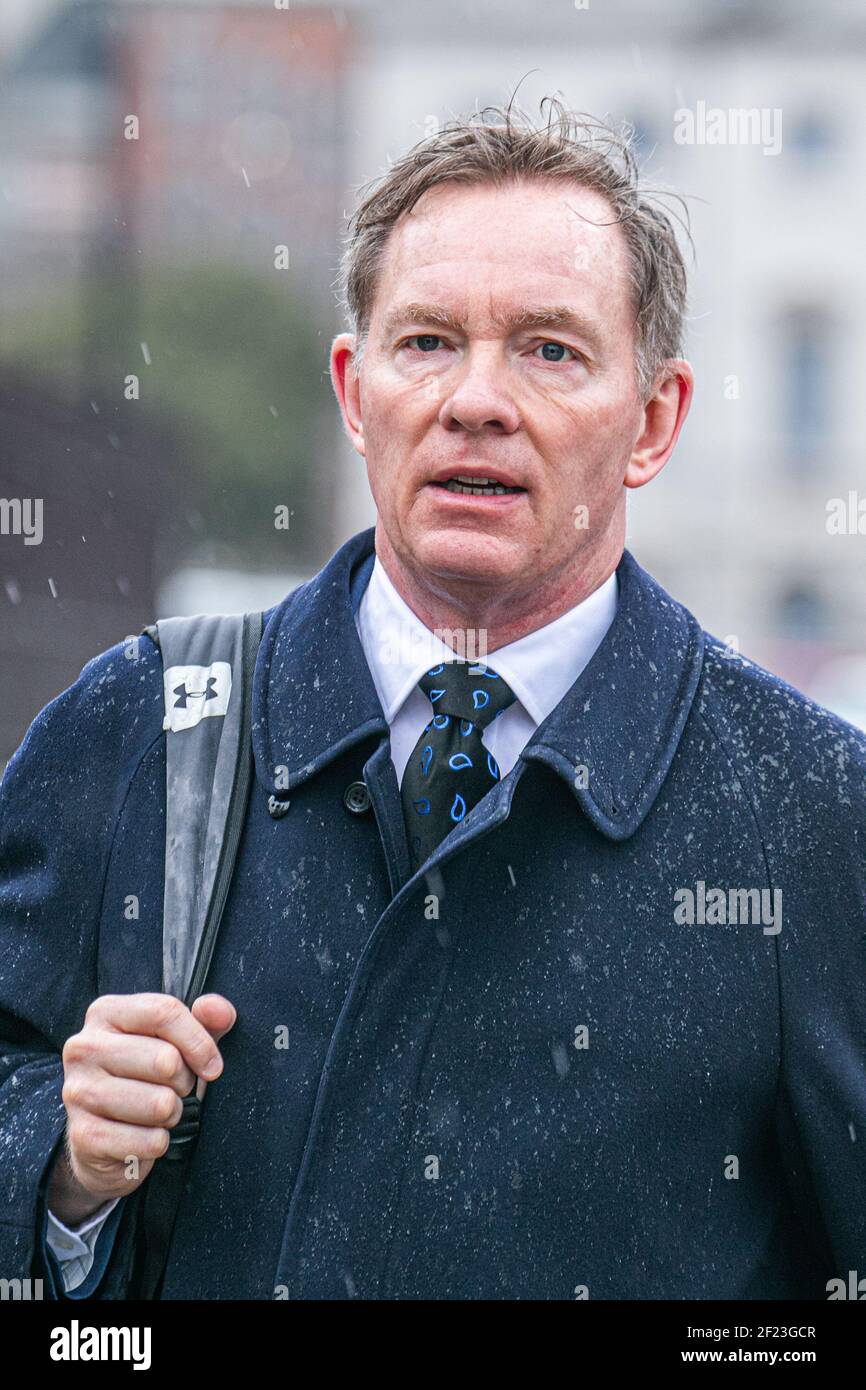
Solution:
(469, 551)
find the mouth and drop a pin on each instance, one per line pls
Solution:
(465, 487)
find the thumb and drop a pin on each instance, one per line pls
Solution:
(215, 1013)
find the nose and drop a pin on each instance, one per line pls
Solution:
(479, 395)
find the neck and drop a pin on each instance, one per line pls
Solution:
(493, 615)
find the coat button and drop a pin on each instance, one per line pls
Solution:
(277, 808)
(356, 798)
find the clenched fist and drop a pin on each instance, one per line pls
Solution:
(125, 1076)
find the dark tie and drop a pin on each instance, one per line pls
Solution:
(450, 769)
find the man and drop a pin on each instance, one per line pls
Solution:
(547, 981)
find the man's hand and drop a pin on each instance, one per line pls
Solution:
(125, 1076)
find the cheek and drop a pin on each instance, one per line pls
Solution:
(395, 421)
(597, 430)
(399, 395)
(587, 450)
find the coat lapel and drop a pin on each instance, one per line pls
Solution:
(614, 734)
(313, 694)
(612, 737)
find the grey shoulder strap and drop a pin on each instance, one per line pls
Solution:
(208, 664)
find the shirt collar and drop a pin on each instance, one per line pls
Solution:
(622, 720)
(539, 667)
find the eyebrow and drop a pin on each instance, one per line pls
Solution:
(530, 316)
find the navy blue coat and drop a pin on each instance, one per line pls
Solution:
(514, 1074)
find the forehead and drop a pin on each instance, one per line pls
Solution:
(521, 241)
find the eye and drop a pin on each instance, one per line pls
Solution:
(557, 347)
(427, 342)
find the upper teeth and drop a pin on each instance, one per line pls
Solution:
(463, 483)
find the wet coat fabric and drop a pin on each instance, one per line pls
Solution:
(561, 1060)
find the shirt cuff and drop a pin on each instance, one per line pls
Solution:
(64, 1239)
(79, 1255)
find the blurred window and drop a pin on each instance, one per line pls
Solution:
(812, 137)
(806, 352)
(802, 613)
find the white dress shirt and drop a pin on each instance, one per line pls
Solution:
(540, 668)
(73, 1246)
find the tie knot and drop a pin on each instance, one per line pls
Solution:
(473, 693)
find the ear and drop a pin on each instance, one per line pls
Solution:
(347, 387)
(663, 417)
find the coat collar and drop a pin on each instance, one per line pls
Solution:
(612, 738)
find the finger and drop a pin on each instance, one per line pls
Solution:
(125, 1101)
(129, 1057)
(216, 1013)
(160, 1016)
(98, 1140)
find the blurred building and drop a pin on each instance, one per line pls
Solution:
(137, 138)
(87, 576)
(175, 130)
(736, 525)
(257, 125)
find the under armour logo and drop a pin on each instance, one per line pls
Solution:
(193, 693)
(183, 694)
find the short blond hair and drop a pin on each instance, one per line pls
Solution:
(495, 145)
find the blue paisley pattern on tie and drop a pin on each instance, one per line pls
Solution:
(450, 768)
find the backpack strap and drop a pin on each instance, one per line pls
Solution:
(208, 719)
(203, 660)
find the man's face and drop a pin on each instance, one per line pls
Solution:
(453, 382)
